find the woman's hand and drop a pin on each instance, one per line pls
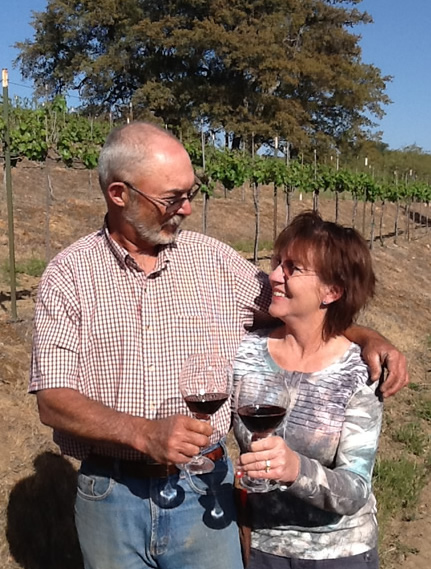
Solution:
(271, 458)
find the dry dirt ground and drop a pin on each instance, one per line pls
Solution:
(36, 484)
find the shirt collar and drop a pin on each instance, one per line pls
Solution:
(125, 260)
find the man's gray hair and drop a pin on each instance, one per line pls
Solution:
(127, 150)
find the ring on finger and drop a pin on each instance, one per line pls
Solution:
(267, 465)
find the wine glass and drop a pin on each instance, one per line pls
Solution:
(261, 402)
(205, 384)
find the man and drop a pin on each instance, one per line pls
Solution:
(118, 312)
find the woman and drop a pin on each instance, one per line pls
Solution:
(321, 514)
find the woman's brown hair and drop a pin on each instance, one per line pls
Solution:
(341, 258)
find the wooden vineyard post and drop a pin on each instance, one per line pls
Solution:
(8, 178)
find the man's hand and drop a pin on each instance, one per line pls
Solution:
(385, 355)
(175, 439)
(379, 354)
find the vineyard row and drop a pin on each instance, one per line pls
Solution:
(51, 132)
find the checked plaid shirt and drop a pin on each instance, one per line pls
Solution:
(120, 336)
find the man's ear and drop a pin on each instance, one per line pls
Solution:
(116, 194)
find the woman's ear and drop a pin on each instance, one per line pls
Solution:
(331, 294)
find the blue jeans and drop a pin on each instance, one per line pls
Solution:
(125, 523)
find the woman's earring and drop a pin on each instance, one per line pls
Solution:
(324, 303)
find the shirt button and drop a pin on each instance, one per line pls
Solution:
(148, 328)
(151, 367)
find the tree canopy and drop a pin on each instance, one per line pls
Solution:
(286, 68)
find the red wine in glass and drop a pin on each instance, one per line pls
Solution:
(205, 384)
(262, 419)
(205, 404)
(261, 401)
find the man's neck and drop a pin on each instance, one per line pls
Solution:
(145, 254)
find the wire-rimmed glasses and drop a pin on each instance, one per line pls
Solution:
(170, 204)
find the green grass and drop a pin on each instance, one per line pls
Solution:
(247, 246)
(397, 485)
(32, 267)
(423, 409)
(413, 437)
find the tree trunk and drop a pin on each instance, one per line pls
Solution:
(256, 195)
(337, 206)
(427, 216)
(354, 211)
(407, 236)
(397, 219)
(275, 217)
(48, 196)
(381, 223)
(236, 142)
(316, 200)
(205, 213)
(372, 223)
(288, 216)
(420, 214)
(364, 213)
(427, 205)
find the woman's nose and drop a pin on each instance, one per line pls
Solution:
(277, 274)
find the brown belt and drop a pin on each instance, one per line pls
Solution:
(138, 469)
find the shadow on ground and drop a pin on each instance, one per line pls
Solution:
(40, 525)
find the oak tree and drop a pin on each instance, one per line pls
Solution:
(286, 68)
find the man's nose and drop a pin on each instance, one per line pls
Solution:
(185, 209)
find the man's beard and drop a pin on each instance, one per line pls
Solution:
(153, 235)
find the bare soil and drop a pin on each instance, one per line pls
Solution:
(54, 207)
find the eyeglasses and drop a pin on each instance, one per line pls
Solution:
(170, 204)
(289, 267)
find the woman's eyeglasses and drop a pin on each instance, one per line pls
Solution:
(290, 268)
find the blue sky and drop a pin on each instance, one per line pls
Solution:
(399, 43)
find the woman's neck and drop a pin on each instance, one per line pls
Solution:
(304, 349)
